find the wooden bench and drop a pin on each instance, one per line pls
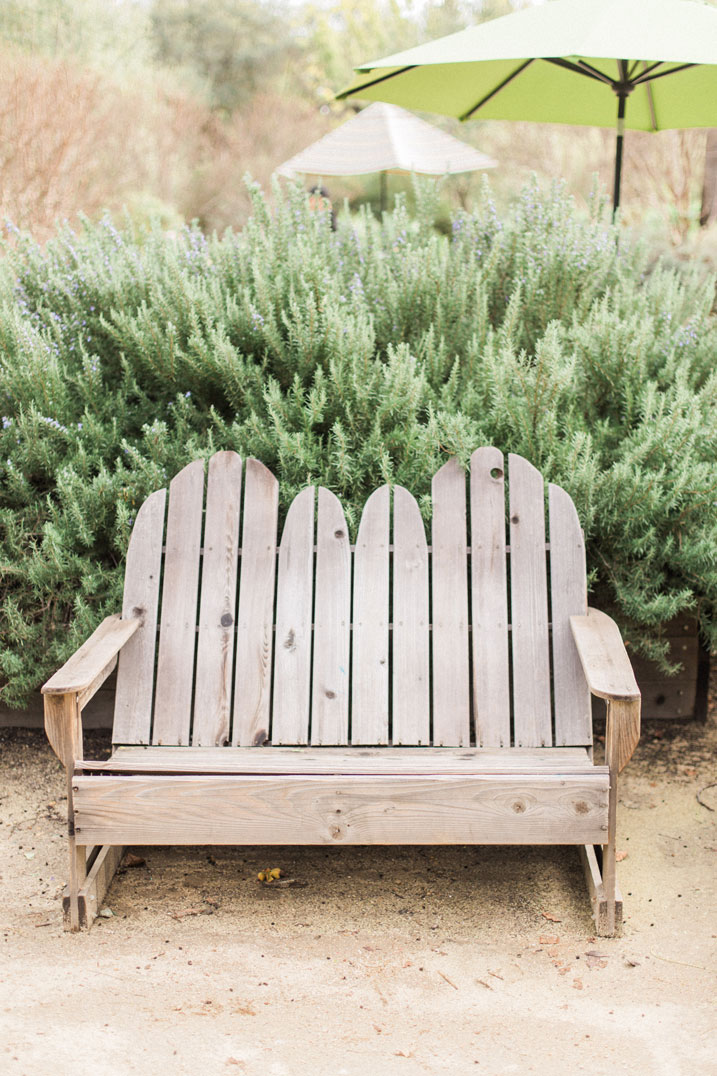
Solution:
(389, 692)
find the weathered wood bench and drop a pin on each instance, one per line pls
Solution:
(387, 693)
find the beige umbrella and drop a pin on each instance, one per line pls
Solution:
(385, 138)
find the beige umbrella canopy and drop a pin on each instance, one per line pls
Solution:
(385, 138)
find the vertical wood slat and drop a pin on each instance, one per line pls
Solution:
(489, 597)
(451, 686)
(177, 636)
(255, 616)
(369, 671)
(217, 609)
(292, 658)
(135, 674)
(568, 592)
(332, 622)
(411, 719)
(529, 606)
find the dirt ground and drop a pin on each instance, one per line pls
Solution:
(406, 961)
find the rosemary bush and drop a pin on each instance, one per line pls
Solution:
(350, 358)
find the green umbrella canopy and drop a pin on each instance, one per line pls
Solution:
(569, 61)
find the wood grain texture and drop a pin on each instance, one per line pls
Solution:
(605, 925)
(63, 727)
(603, 656)
(217, 609)
(622, 733)
(609, 675)
(568, 597)
(370, 658)
(178, 622)
(292, 659)
(489, 599)
(529, 606)
(327, 760)
(255, 617)
(451, 685)
(135, 673)
(84, 667)
(332, 624)
(609, 845)
(537, 809)
(411, 711)
(93, 889)
(77, 856)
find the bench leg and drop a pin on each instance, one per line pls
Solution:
(600, 873)
(78, 867)
(91, 872)
(607, 912)
(70, 900)
(82, 903)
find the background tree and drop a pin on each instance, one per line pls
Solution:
(109, 35)
(339, 35)
(229, 48)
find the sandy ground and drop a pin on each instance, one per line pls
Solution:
(416, 960)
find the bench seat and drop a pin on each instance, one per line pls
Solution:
(371, 761)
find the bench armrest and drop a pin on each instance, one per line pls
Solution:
(95, 658)
(609, 675)
(72, 686)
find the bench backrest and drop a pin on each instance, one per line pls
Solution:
(388, 641)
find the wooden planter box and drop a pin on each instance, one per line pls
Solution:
(675, 698)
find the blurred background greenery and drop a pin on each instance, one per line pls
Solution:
(162, 106)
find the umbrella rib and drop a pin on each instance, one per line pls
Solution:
(651, 105)
(647, 77)
(586, 68)
(647, 69)
(579, 69)
(467, 115)
(355, 91)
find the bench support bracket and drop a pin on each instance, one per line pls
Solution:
(92, 878)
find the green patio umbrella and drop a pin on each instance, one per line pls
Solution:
(648, 65)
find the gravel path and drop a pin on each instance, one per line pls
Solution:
(406, 961)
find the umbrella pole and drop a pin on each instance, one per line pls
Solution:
(622, 101)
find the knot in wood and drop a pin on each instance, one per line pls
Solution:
(338, 534)
(227, 620)
(519, 807)
(330, 694)
(581, 807)
(515, 519)
(289, 642)
(336, 832)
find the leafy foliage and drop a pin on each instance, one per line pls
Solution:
(232, 47)
(350, 358)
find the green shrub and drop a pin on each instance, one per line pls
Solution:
(352, 357)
